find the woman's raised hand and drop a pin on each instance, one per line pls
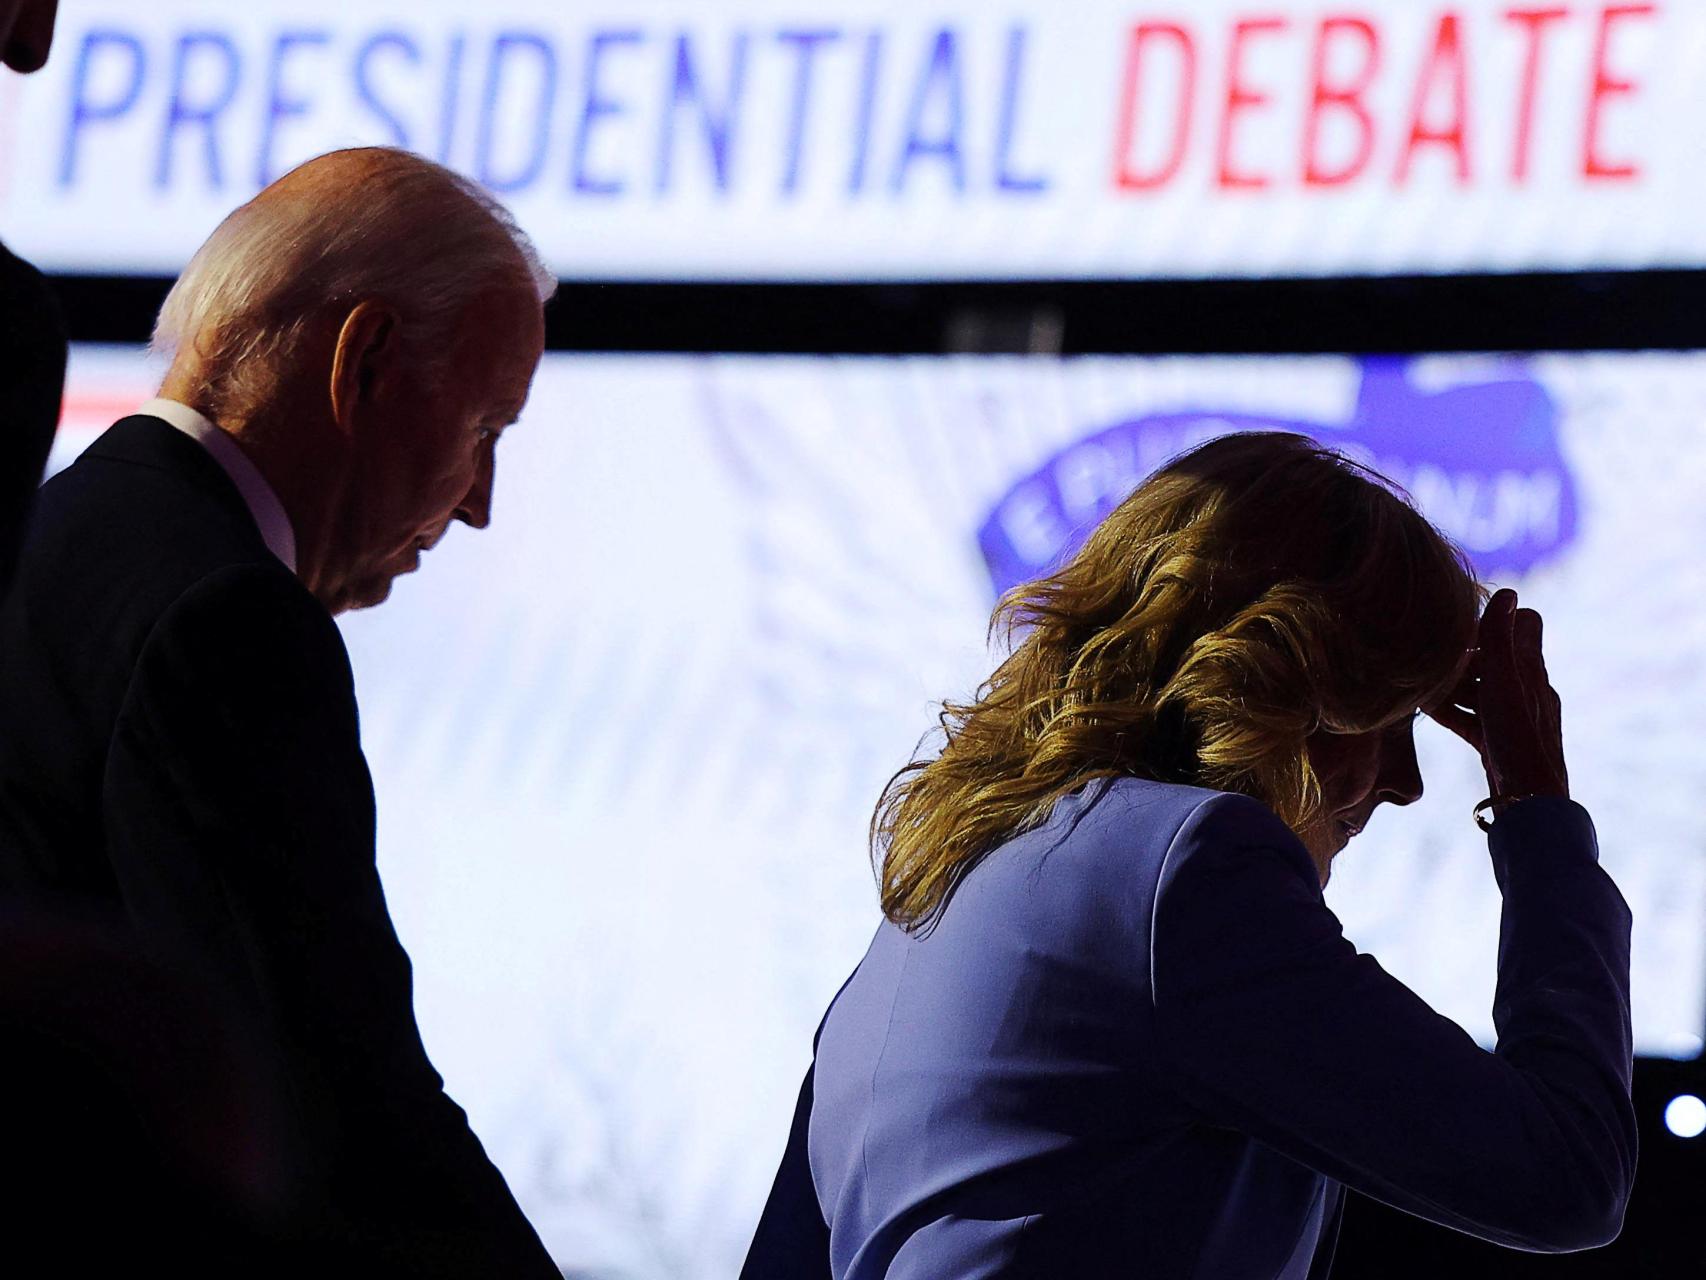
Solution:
(1506, 708)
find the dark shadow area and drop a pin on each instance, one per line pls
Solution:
(1552, 311)
(1663, 1236)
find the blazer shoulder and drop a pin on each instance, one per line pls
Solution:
(245, 647)
(147, 496)
(246, 611)
(1119, 840)
(115, 547)
(1180, 817)
(1224, 831)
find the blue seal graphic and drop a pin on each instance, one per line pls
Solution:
(1482, 461)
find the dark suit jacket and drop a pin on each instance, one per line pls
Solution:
(32, 377)
(181, 742)
(1137, 1043)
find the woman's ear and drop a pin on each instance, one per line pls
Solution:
(362, 356)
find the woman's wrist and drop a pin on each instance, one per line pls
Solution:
(1494, 805)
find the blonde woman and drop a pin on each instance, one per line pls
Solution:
(1110, 1027)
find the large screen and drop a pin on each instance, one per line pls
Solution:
(626, 742)
(885, 139)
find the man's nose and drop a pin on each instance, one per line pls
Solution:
(475, 509)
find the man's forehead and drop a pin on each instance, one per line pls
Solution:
(511, 367)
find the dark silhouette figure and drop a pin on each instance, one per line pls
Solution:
(182, 740)
(32, 355)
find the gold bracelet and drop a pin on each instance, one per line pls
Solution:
(1492, 802)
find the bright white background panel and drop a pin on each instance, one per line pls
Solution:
(782, 139)
(626, 741)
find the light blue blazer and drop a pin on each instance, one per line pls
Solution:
(1138, 1045)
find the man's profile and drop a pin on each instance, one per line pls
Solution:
(181, 739)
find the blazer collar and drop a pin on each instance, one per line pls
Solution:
(144, 441)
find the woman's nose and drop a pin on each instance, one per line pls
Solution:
(1400, 777)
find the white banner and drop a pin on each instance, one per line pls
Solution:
(776, 139)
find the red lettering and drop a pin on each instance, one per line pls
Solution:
(1444, 59)
(1126, 173)
(1534, 23)
(1345, 96)
(1240, 98)
(1606, 85)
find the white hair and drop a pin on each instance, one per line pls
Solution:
(417, 235)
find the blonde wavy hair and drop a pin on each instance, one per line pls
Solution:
(1256, 590)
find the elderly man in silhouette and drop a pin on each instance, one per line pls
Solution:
(181, 737)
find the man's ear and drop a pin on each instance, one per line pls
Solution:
(365, 349)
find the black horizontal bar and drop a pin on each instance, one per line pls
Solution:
(1517, 312)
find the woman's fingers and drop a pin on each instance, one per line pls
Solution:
(1521, 744)
(1465, 724)
(1530, 667)
(1467, 691)
(1497, 620)
(1526, 628)
(1499, 695)
(1548, 707)
(1504, 706)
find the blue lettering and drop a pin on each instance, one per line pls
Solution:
(84, 111)
(869, 67)
(547, 60)
(594, 108)
(1005, 178)
(364, 86)
(806, 45)
(183, 113)
(279, 106)
(718, 128)
(450, 98)
(941, 79)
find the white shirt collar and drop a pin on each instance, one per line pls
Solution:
(262, 502)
